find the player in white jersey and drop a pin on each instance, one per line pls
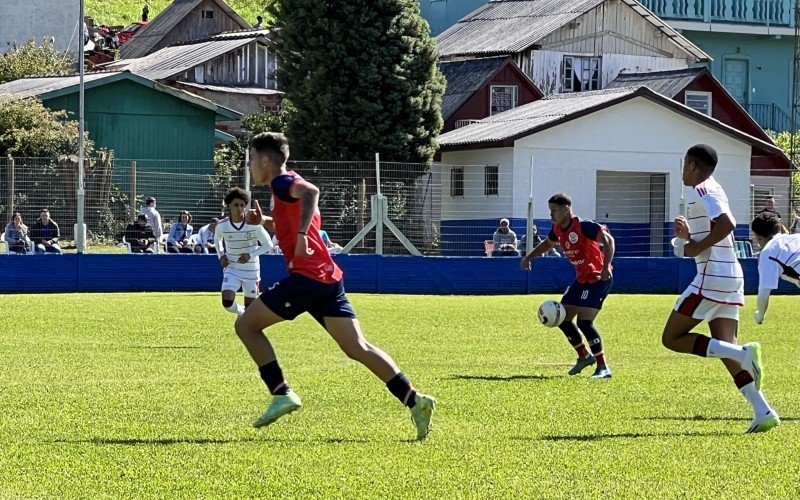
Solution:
(238, 247)
(779, 258)
(717, 292)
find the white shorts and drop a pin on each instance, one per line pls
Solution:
(230, 281)
(694, 305)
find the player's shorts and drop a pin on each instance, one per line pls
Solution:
(297, 294)
(234, 283)
(694, 305)
(589, 295)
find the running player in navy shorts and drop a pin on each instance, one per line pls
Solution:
(589, 247)
(314, 285)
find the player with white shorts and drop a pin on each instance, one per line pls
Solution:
(238, 247)
(717, 291)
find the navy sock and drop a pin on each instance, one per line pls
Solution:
(272, 375)
(401, 388)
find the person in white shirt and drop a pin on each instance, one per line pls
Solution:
(717, 292)
(238, 246)
(779, 259)
(205, 237)
(153, 217)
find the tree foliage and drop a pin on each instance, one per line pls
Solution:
(31, 59)
(28, 128)
(361, 76)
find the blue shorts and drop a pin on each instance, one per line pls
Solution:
(296, 294)
(589, 295)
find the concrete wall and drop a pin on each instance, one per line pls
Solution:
(22, 20)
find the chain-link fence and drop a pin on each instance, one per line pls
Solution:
(438, 209)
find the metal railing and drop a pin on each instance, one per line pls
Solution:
(758, 12)
(769, 116)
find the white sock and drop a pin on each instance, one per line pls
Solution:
(236, 308)
(722, 349)
(755, 398)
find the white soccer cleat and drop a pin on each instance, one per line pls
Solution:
(765, 422)
(752, 362)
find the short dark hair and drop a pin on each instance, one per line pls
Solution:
(766, 224)
(150, 200)
(259, 18)
(273, 144)
(704, 156)
(561, 199)
(236, 193)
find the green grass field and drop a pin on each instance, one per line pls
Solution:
(152, 396)
(124, 12)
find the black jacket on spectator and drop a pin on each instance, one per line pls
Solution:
(134, 232)
(41, 233)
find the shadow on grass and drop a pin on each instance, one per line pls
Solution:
(627, 435)
(509, 378)
(174, 441)
(703, 418)
(167, 347)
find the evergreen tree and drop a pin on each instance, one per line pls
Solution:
(361, 77)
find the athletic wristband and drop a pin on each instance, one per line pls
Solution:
(301, 232)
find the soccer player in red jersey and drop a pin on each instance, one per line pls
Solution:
(589, 247)
(314, 285)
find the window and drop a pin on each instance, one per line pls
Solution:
(464, 123)
(491, 180)
(581, 73)
(456, 182)
(699, 101)
(502, 98)
(759, 195)
(207, 14)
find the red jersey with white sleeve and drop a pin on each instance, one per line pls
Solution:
(286, 214)
(579, 242)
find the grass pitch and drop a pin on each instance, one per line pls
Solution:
(152, 396)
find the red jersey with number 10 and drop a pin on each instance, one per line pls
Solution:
(287, 213)
(579, 242)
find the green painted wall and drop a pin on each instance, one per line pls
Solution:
(141, 123)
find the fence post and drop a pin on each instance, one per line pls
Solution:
(529, 243)
(362, 203)
(133, 189)
(10, 188)
(247, 177)
(379, 204)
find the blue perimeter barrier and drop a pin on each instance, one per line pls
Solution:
(363, 273)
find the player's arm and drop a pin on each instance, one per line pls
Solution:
(769, 273)
(609, 247)
(722, 227)
(542, 248)
(264, 240)
(308, 194)
(218, 246)
(762, 304)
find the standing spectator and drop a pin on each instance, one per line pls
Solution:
(153, 217)
(205, 237)
(139, 236)
(534, 232)
(179, 233)
(45, 233)
(145, 13)
(17, 235)
(504, 241)
(259, 25)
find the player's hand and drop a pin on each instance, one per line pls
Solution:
(525, 264)
(681, 227)
(301, 249)
(224, 261)
(759, 317)
(254, 215)
(244, 258)
(605, 275)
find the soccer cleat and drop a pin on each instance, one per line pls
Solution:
(602, 372)
(581, 364)
(280, 406)
(421, 414)
(752, 362)
(764, 422)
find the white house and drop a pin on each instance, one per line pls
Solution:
(570, 46)
(617, 152)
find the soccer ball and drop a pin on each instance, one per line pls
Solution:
(551, 313)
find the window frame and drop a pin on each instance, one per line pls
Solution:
(514, 97)
(697, 93)
(457, 182)
(491, 180)
(586, 68)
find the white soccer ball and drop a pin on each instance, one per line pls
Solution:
(551, 313)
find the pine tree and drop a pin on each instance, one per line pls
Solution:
(361, 77)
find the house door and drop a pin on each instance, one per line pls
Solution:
(735, 77)
(658, 213)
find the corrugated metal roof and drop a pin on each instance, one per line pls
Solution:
(668, 83)
(464, 78)
(511, 26)
(177, 59)
(231, 89)
(147, 38)
(530, 116)
(32, 87)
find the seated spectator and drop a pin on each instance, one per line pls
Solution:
(205, 238)
(504, 241)
(17, 235)
(45, 233)
(139, 235)
(333, 248)
(536, 240)
(179, 233)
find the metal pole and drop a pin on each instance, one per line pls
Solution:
(529, 243)
(80, 232)
(10, 188)
(133, 190)
(378, 173)
(247, 174)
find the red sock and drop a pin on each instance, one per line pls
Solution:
(581, 350)
(600, 358)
